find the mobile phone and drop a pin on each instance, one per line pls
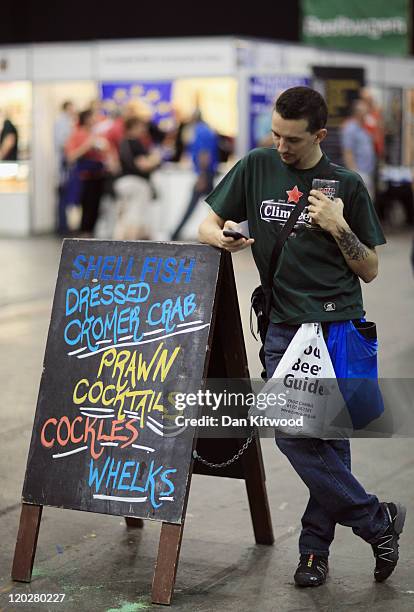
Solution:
(232, 234)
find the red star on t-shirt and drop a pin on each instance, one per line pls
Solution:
(294, 195)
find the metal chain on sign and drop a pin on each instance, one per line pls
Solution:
(235, 457)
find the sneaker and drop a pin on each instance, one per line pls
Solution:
(386, 547)
(312, 570)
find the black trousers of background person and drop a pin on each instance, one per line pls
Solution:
(195, 196)
(92, 190)
(403, 193)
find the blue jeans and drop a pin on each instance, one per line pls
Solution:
(325, 468)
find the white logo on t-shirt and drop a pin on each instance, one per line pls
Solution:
(270, 210)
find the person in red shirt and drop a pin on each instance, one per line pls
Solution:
(373, 122)
(87, 153)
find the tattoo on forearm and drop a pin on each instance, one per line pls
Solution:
(351, 246)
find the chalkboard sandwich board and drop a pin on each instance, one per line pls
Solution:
(126, 318)
(132, 324)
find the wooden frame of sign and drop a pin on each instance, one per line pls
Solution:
(214, 337)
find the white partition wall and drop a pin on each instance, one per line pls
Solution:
(15, 186)
(163, 58)
(65, 62)
(14, 64)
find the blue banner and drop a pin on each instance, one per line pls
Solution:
(155, 95)
(263, 92)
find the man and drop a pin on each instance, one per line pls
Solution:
(316, 279)
(63, 127)
(88, 153)
(374, 122)
(64, 124)
(203, 148)
(358, 147)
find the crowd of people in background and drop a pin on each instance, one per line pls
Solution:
(116, 156)
(95, 152)
(364, 150)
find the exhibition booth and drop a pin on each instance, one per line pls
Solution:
(233, 81)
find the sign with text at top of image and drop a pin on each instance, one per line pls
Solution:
(372, 26)
(130, 324)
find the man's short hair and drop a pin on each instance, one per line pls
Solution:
(303, 103)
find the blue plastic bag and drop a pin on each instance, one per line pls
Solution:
(354, 359)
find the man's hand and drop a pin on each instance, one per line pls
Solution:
(362, 260)
(326, 213)
(211, 232)
(230, 244)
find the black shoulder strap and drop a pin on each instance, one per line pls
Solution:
(281, 239)
(289, 225)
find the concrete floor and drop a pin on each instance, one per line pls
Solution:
(99, 565)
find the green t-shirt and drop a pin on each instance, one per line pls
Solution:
(312, 281)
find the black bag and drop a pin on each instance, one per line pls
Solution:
(259, 304)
